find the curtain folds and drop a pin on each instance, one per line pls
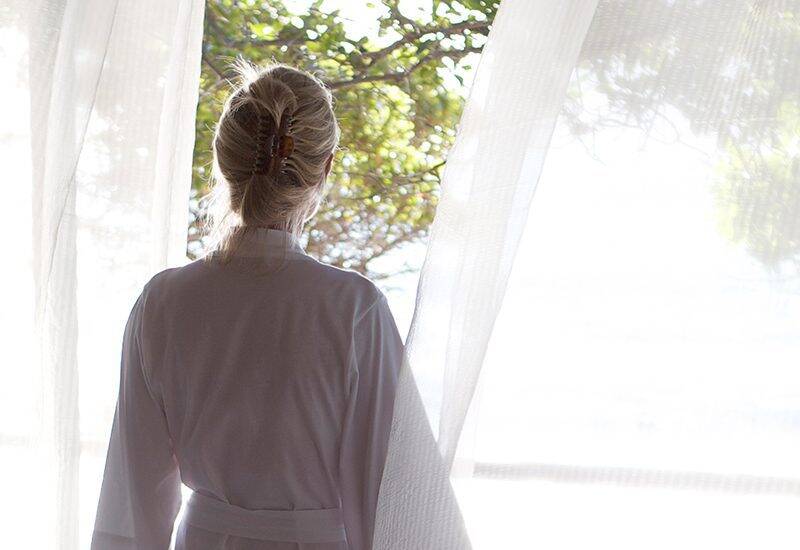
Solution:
(98, 136)
(490, 177)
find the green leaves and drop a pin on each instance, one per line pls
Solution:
(757, 191)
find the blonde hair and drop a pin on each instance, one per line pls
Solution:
(244, 195)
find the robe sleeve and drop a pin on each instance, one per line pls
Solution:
(377, 357)
(140, 495)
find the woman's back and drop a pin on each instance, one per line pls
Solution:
(265, 391)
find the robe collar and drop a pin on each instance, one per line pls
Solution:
(260, 242)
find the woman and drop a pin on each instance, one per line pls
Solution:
(259, 377)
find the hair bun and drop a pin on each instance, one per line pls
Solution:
(272, 96)
(274, 138)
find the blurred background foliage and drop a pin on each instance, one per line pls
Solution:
(655, 68)
(399, 88)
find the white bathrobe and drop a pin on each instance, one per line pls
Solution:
(270, 394)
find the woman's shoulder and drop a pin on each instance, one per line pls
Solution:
(340, 281)
(173, 282)
(166, 276)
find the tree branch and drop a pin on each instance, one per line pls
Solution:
(220, 74)
(399, 76)
(482, 27)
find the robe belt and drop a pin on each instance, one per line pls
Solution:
(310, 526)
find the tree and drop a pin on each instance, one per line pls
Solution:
(654, 62)
(757, 191)
(398, 97)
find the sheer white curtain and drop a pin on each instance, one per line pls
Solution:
(617, 367)
(97, 120)
(490, 176)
